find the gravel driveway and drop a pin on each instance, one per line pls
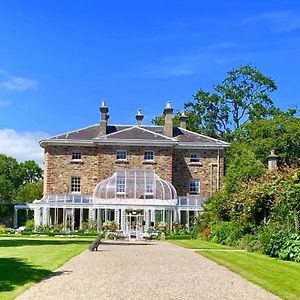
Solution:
(155, 270)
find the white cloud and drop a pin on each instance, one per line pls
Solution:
(15, 83)
(280, 21)
(22, 145)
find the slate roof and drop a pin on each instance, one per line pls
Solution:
(133, 132)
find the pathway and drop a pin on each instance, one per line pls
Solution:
(155, 270)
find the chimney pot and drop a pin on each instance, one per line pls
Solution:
(139, 117)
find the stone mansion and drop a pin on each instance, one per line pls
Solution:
(136, 175)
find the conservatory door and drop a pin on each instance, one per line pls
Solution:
(134, 224)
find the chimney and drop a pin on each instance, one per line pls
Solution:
(139, 117)
(272, 161)
(168, 112)
(104, 118)
(182, 120)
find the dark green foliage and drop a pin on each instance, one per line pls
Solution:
(263, 215)
(280, 133)
(29, 192)
(19, 181)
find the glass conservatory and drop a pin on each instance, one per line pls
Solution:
(135, 199)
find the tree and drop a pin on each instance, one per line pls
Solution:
(241, 97)
(160, 120)
(280, 133)
(29, 192)
(30, 171)
(14, 175)
(9, 169)
(242, 166)
(245, 93)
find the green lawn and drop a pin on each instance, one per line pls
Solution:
(281, 278)
(198, 244)
(24, 261)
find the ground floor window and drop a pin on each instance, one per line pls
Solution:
(75, 184)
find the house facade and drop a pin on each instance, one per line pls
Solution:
(136, 175)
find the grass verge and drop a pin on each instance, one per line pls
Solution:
(198, 244)
(24, 261)
(277, 276)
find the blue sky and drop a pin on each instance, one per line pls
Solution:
(58, 59)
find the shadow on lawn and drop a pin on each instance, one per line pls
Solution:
(17, 272)
(37, 242)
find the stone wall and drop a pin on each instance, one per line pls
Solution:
(209, 171)
(59, 169)
(99, 163)
(107, 163)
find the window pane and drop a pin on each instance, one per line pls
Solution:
(76, 155)
(149, 155)
(149, 186)
(75, 184)
(195, 157)
(120, 184)
(121, 154)
(194, 186)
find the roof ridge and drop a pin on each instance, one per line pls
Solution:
(133, 127)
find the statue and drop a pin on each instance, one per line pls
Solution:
(95, 244)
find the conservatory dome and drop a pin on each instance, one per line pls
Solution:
(135, 187)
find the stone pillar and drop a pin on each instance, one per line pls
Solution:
(15, 217)
(272, 161)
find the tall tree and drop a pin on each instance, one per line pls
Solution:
(30, 171)
(241, 97)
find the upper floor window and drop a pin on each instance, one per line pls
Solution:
(195, 157)
(121, 154)
(120, 184)
(76, 155)
(194, 186)
(148, 155)
(75, 184)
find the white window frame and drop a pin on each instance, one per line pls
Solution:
(76, 155)
(147, 152)
(75, 184)
(194, 186)
(149, 186)
(195, 157)
(121, 159)
(120, 185)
